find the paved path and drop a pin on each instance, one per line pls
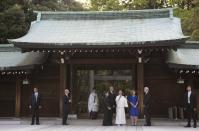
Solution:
(90, 128)
(93, 125)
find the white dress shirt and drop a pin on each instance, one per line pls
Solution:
(189, 94)
(36, 95)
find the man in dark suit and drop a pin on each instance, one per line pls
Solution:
(111, 99)
(66, 106)
(147, 106)
(35, 105)
(190, 107)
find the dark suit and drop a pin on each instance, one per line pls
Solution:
(66, 109)
(189, 106)
(112, 103)
(35, 103)
(147, 108)
(108, 114)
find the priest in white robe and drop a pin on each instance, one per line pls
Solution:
(121, 103)
(93, 104)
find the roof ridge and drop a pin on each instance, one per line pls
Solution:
(104, 15)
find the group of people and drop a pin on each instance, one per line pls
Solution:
(116, 104)
(36, 105)
(119, 103)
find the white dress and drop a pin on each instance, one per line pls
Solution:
(93, 103)
(121, 103)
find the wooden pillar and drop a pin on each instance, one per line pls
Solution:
(18, 97)
(72, 88)
(140, 86)
(91, 80)
(63, 79)
(75, 90)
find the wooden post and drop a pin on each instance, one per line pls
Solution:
(75, 91)
(18, 97)
(91, 80)
(140, 86)
(63, 78)
(72, 88)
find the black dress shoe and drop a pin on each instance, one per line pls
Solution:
(187, 126)
(32, 124)
(37, 124)
(194, 126)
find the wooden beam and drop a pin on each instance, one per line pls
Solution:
(63, 79)
(103, 61)
(140, 86)
(18, 97)
(112, 77)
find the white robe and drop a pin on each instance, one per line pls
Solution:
(93, 103)
(121, 103)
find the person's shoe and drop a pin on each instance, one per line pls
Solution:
(188, 126)
(194, 126)
(32, 124)
(147, 125)
(37, 124)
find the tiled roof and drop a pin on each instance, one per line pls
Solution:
(184, 58)
(66, 29)
(11, 58)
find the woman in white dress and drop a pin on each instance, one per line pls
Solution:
(121, 103)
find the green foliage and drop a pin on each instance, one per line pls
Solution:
(185, 16)
(13, 21)
(195, 24)
(105, 5)
(190, 21)
(138, 4)
(195, 35)
(134, 4)
(57, 5)
(16, 15)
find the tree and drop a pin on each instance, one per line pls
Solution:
(13, 20)
(134, 4)
(190, 20)
(57, 5)
(16, 15)
(195, 22)
(105, 5)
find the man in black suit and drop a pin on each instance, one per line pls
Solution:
(190, 107)
(35, 105)
(111, 99)
(147, 106)
(66, 106)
